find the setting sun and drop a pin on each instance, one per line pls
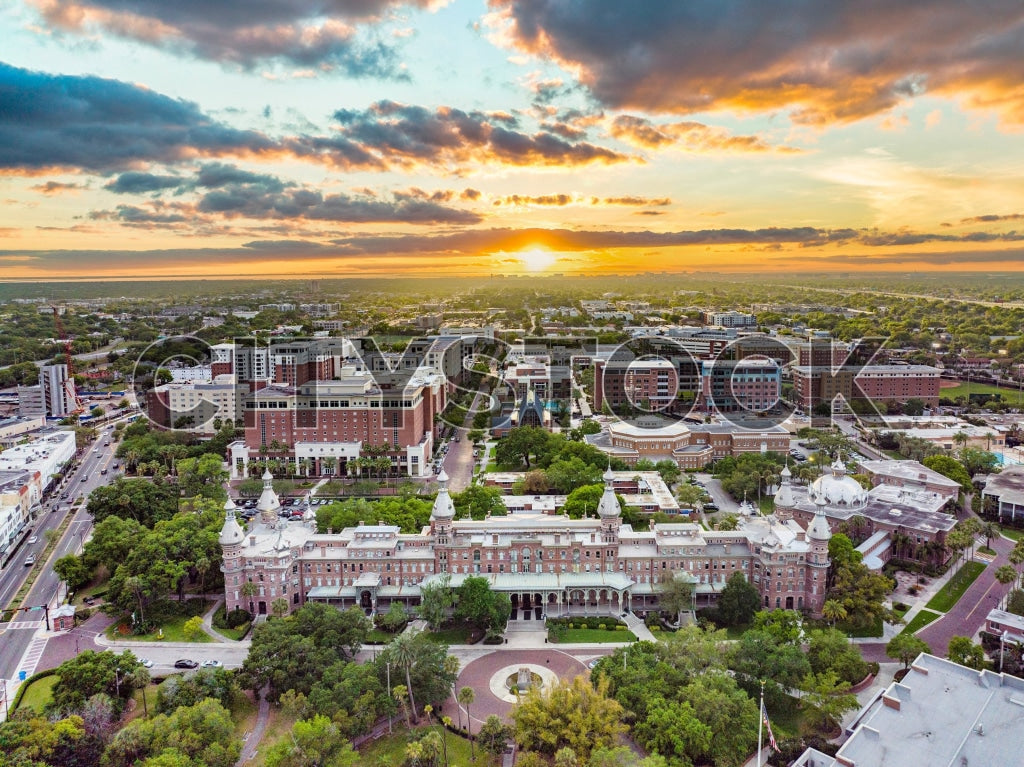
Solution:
(536, 259)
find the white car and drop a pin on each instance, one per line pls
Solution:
(212, 664)
(33, 539)
(146, 662)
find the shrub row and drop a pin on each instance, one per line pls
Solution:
(580, 622)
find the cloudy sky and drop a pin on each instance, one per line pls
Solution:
(348, 137)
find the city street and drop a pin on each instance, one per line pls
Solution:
(18, 634)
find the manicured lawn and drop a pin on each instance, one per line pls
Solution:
(974, 388)
(452, 635)
(39, 693)
(901, 612)
(950, 594)
(919, 621)
(232, 634)
(390, 750)
(572, 636)
(1012, 532)
(987, 551)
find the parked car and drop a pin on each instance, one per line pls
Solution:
(710, 507)
(185, 663)
(212, 664)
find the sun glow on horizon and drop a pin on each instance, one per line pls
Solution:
(536, 259)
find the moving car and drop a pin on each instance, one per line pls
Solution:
(212, 664)
(146, 662)
(33, 539)
(30, 560)
(185, 663)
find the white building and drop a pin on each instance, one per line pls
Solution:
(940, 714)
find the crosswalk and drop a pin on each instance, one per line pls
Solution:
(15, 625)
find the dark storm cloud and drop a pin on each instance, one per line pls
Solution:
(827, 61)
(323, 34)
(102, 125)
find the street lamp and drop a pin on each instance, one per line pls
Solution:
(4, 683)
(117, 681)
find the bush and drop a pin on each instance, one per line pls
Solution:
(237, 618)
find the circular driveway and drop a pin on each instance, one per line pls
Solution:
(480, 673)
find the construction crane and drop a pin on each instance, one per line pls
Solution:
(69, 385)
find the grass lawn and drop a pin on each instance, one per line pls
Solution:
(987, 551)
(919, 621)
(904, 611)
(573, 636)
(139, 709)
(376, 636)
(787, 721)
(39, 693)
(1011, 396)
(872, 630)
(1012, 533)
(173, 628)
(232, 634)
(451, 635)
(92, 590)
(390, 750)
(950, 594)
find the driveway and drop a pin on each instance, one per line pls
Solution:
(968, 615)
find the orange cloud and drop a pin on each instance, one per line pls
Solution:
(827, 63)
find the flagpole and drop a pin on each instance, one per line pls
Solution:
(760, 725)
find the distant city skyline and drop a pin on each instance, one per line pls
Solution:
(521, 137)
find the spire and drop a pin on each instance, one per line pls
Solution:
(819, 529)
(268, 503)
(784, 501)
(838, 467)
(608, 507)
(231, 533)
(443, 509)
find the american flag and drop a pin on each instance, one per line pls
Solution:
(771, 735)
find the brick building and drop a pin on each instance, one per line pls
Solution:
(544, 562)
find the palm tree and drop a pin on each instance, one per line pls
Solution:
(989, 530)
(466, 697)
(400, 692)
(1006, 574)
(833, 611)
(403, 654)
(1017, 556)
(450, 664)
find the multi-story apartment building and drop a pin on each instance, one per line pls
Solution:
(53, 396)
(195, 406)
(751, 385)
(544, 562)
(730, 319)
(329, 422)
(813, 385)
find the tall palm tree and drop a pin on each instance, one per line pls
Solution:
(466, 697)
(403, 653)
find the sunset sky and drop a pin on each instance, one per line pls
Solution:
(170, 138)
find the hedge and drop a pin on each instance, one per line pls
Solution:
(581, 622)
(26, 684)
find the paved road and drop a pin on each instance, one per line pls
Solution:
(968, 615)
(17, 637)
